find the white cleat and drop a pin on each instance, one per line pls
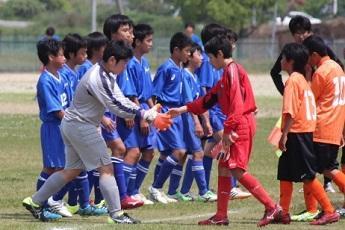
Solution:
(157, 195)
(59, 207)
(237, 193)
(329, 188)
(169, 198)
(142, 198)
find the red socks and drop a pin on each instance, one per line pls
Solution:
(320, 195)
(285, 195)
(339, 180)
(224, 187)
(256, 189)
(309, 199)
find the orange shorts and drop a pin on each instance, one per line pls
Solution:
(240, 151)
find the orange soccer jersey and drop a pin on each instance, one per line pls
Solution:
(299, 102)
(328, 86)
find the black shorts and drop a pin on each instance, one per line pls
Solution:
(342, 161)
(326, 156)
(298, 162)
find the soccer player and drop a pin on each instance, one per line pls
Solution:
(234, 94)
(167, 86)
(119, 27)
(193, 131)
(328, 86)
(52, 100)
(141, 138)
(85, 147)
(298, 160)
(189, 31)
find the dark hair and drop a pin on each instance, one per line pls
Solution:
(46, 48)
(231, 35)
(117, 49)
(141, 31)
(179, 40)
(72, 43)
(114, 22)
(211, 30)
(299, 23)
(299, 54)
(195, 47)
(50, 31)
(189, 24)
(315, 44)
(95, 41)
(219, 42)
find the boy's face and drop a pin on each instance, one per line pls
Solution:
(146, 44)
(217, 61)
(99, 53)
(183, 54)
(116, 67)
(301, 35)
(314, 59)
(285, 64)
(80, 56)
(58, 60)
(196, 59)
(124, 33)
(189, 31)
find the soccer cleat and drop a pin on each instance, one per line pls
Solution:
(130, 203)
(38, 212)
(341, 212)
(237, 193)
(215, 220)
(124, 218)
(207, 197)
(157, 195)
(181, 197)
(329, 188)
(142, 198)
(305, 216)
(92, 211)
(283, 218)
(327, 219)
(169, 199)
(58, 207)
(73, 208)
(270, 216)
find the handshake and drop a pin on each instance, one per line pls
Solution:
(161, 121)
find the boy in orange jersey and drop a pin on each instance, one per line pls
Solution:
(298, 161)
(328, 86)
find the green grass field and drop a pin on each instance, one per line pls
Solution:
(20, 163)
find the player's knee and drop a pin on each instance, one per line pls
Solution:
(148, 155)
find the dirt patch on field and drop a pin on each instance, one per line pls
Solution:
(18, 82)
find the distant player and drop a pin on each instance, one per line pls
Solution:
(189, 29)
(298, 162)
(328, 86)
(235, 97)
(167, 86)
(85, 147)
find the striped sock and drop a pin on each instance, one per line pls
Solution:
(166, 169)
(199, 175)
(208, 168)
(188, 176)
(158, 168)
(142, 170)
(82, 184)
(119, 176)
(175, 178)
(131, 181)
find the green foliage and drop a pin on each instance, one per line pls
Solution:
(21, 9)
(162, 7)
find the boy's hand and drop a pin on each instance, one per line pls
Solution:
(229, 139)
(108, 124)
(208, 130)
(282, 142)
(162, 121)
(199, 132)
(144, 127)
(129, 123)
(174, 112)
(219, 153)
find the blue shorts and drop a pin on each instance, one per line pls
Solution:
(132, 138)
(217, 119)
(110, 136)
(172, 138)
(193, 143)
(53, 148)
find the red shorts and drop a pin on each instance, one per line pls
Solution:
(240, 151)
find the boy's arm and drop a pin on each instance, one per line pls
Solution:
(60, 114)
(276, 76)
(285, 130)
(198, 128)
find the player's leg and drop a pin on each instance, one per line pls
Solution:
(188, 178)
(175, 178)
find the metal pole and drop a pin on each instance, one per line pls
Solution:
(93, 15)
(274, 29)
(335, 7)
(119, 6)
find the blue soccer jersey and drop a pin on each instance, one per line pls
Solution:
(125, 83)
(191, 88)
(167, 84)
(83, 68)
(73, 79)
(197, 40)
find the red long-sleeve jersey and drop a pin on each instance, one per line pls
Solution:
(234, 94)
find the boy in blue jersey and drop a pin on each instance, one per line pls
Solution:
(141, 137)
(96, 43)
(189, 31)
(167, 89)
(119, 27)
(193, 131)
(52, 101)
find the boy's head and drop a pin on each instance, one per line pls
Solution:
(211, 30)
(96, 43)
(51, 51)
(317, 49)
(300, 28)
(180, 45)
(189, 29)
(50, 31)
(195, 57)
(294, 58)
(75, 48)
(143, 37)
(218, 48)
(117, 27)
(116, 56)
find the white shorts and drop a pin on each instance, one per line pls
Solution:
(84, 146)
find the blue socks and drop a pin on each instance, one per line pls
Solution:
(41, 179)
(158, 168)
(79, 187)
(175, 178)
(188, 177)
(119, 176)
(207, 161)
(199, 175)
(131, 181)
(165, 171)
(142, 170)
(97, 190)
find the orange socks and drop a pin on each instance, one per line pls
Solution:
(309, 199)
(320, 195)
(339, 180)
(286, 188)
